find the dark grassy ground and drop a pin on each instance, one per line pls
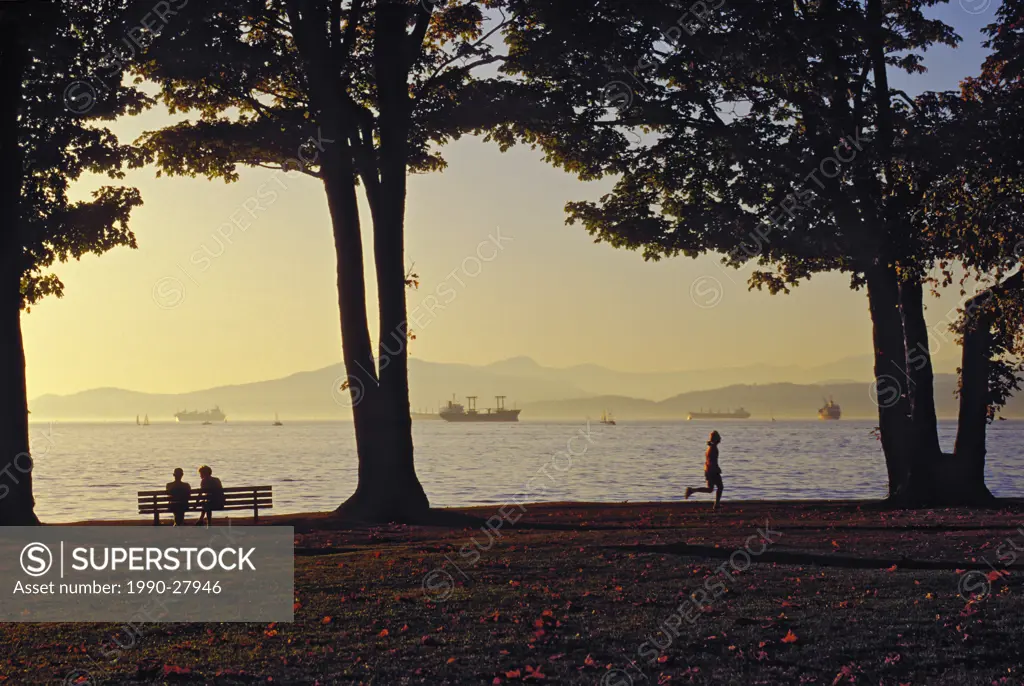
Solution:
(585, 594)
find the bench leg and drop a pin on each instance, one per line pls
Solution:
(256, 513)
(156, 518)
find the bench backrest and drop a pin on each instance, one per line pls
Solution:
(235, 498)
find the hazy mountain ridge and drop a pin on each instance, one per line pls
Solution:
(781, 400)
(572, 392)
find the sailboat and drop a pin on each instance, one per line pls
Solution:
(607, 418)
(137, 422)
(277, 422)
(145, 422)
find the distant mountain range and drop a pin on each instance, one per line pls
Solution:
(781, 400)
(542, 393)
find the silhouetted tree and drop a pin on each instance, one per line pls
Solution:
(769, 132)
(355, 93)
(52, 55)
(974, 217)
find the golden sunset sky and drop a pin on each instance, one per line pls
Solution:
(191, 310)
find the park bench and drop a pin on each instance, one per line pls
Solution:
(253, 498)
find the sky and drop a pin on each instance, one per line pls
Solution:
(233, 283)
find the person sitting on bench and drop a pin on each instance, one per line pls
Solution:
(211, 495)
(180, 492)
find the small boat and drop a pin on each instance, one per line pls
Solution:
(137, 422)
(606, 418)
(1002, 419)
(207, 423)
(830, 410)
(277, 422)
(145, 422)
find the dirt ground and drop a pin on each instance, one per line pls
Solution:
(609, 594)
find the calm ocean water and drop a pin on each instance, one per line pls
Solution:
(94, 470)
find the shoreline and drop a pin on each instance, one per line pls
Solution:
(449, 517)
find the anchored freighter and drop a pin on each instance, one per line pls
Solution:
(455, 412)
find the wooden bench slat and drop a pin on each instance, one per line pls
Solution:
(196, 503)
(165, 501)
(150, 510)
(229, 489)
(166, 507)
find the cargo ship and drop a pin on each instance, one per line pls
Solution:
(738, 413)
(214, 415)
(455, 412)
(830, 410)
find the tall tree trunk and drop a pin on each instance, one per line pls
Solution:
(975, 396)
(16, 499)
(382, 492)
(891, 380)
(975, 401)
(391, 64)
(388, 489)
(921, 392)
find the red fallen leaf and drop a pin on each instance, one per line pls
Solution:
(589, 661)
(513, 674)
(891, 569)
(175, 669)
(790, 637)
(556, 656)
(994, 576)
(503, 652)
(451, 660)
(271, 633)
(428, 641)
(663, 659)
(383, 633)
(532, 673)
(497, 680)
(296, 607)
(326, 620)
(405, 627)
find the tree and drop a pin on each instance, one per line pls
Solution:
(975, 218)
(361, 92)
(768, 132)
(49, 53)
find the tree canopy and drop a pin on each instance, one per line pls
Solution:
(769, 132)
